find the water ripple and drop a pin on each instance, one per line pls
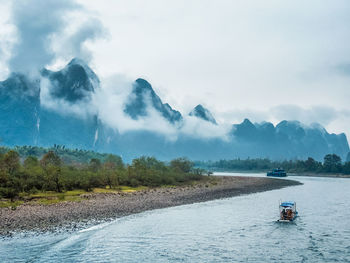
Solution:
(240, 229)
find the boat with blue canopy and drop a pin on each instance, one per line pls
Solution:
(288, 211)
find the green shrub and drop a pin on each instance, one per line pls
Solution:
(54, 172)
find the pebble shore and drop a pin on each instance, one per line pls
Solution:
(96, 208)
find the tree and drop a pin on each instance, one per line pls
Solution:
(332, 163)
(11, 162)
(346, 168)
(9, 170)
(111, 166)
(182, 165)
(310, 164)
(50, 159)
(9, 192)
(32, 175)
(51, 164)
(95, 165)
(114, 161)
(31, 161)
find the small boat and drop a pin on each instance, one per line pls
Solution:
(288, 211)
(278, 172)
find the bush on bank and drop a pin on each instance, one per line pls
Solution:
(50, 173)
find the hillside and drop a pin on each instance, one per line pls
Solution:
(60, 108)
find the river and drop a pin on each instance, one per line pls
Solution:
(238, 229)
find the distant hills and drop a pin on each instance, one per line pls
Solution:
(35, 111)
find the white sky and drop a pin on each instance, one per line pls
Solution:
(265, 60)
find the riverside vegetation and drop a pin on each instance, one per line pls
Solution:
(63, 174)
(332, 164)
(61, 189)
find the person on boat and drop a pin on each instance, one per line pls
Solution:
(289, 214)
(283, 214)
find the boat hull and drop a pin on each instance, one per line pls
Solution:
(277, 175)
(284, 221)
(288, 220)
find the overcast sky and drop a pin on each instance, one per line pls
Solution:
(265, 60)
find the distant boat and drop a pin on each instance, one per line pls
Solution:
(278, 172)
(288, 211)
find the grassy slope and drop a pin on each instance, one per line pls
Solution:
(50, 197)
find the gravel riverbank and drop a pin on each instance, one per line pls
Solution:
(96, 208)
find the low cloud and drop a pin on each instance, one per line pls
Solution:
(82, 109)
(40, 26)
(7, 39)
(36, 21)
(73, 42)
(42, 31)
(199, 128)
(343, 69)
(322, 114)
(115, 92)
(110, 101)
(334, 120)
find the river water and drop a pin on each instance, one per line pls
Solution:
(238, 229)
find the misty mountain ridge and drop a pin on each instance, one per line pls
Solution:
(200, 112)
(142, 97)
(25, 120)
(74, 82)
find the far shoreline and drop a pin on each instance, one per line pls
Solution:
(320, 175)
(306, 174)
(97, 208)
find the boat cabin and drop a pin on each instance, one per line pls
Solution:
(278, 172)
(288, 211)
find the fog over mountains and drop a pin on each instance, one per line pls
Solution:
(72, 107)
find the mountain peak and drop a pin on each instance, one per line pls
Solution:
(143, 86)
(246, 130)
(200, 112)
(247, 122)
(76, 81)
(265, 124)
(142, 97)
(77, 61)
(19, 85)
(143, 83)
(285, 123)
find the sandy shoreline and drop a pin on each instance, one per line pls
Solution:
(99, 207)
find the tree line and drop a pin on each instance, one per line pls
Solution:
(332, 163)
(67, 155)
(50, 173)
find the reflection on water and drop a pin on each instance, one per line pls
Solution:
(239, 229)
